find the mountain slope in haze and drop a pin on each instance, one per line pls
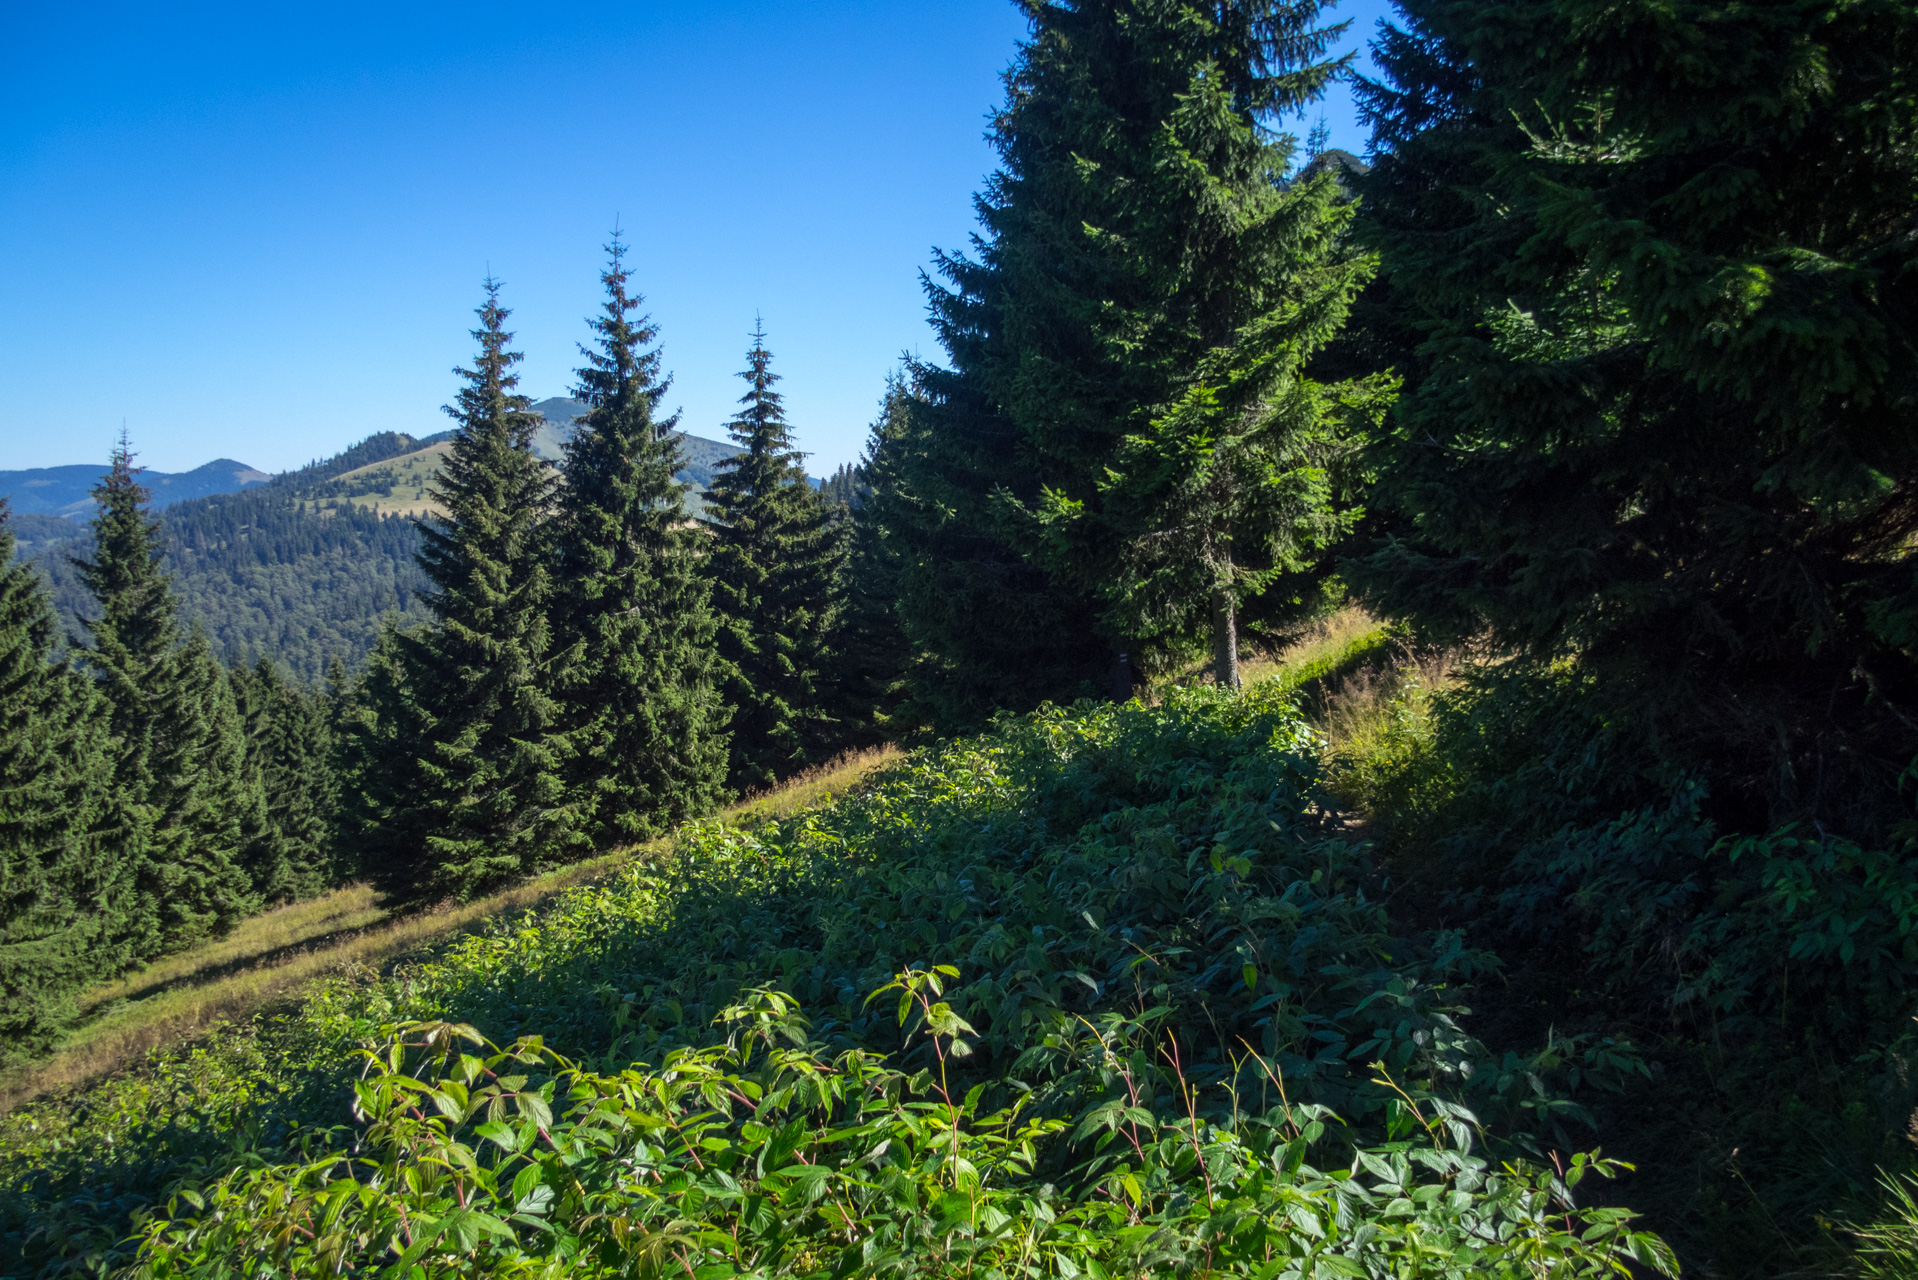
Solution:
(302, 567)
(63, 491)
(702, 455)
(305, 567)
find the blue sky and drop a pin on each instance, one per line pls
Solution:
(258, 232)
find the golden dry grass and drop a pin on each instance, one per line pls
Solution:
(272, 956)
(254, 942)
(1360, 708)
(818, 785)
(1324, 642)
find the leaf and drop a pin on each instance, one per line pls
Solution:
(535, 1108)
(500, 1134)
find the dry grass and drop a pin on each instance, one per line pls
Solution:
(1362, 708)
(273, 956)
(254, 943)
(1325, 642)
(818, 785)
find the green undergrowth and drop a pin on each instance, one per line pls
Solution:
(1139, 1011)
(1769, 977)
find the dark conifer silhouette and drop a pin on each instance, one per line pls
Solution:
(633, 602)
(777, 570)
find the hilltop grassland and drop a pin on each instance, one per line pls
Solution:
(1138, 1010)
(391, 487)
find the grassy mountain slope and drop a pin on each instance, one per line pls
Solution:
(1162, 965)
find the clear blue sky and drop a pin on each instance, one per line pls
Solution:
(258, 231)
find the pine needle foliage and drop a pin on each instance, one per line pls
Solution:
(1662, 415)
(1127, 341)
(779, 553)
(633, 600)
(468, 785)
(63, 886)
(290, 750)
(871, 653)
(175, 776)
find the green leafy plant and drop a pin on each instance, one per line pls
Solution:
(765, 1154)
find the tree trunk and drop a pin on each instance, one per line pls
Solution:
(1225, 638)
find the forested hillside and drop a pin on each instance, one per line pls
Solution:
(306, 568)
(1565, 451)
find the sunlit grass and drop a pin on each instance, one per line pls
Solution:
(272, 956)
(818, 785)
(1349, 634)
(255, 941)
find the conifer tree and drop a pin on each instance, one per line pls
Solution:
(989, 628)
(634, 602)
(870, 652)
(63, 884)
(469, 789)
(1145, 297)
(289, 856)
(777, 571)
(1661, 413)
(177, 783)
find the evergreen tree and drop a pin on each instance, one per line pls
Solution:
(842, 487)
(1147, 293)
(989, 629)
(63, 886)
(1662, 414)
(634, 602)
(468, 789)
(177, 784)
(776, 568)
(871, 654)
(288, 742)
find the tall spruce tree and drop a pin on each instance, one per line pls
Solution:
(465, 782)
(644, 699)
(776, 567)
(870, 652)
(63, 883)
(1662, 418)
(177, 784)
(1125, 399)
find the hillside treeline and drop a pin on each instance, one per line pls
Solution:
(261, 573)
(1600, 375)
(594, 667)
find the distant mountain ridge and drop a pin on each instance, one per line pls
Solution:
(702, 455)
(303, 567)
(63, 491)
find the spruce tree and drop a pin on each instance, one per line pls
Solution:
(777, 569)
(63, 882)
(634, 602)
(470, 788)
(989, 628)
(870, 652)
(1153, 288)
(177, 788)
(1661, 416)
